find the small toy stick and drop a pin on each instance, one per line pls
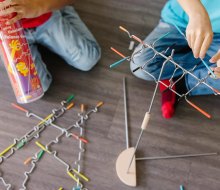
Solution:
(27, 161)
(138, 39)
(60, 188)
(7, 149)
(100, 104)
(42, 147)
(181, 187)
(19, 107)
(216, 91)
(82, 108)
(119, 53)
(73, 177)
(123, 29)
(81, 175)
(70, 98)
(198, 109)
(161, 37)
(20, 144)
(40, 154)
(44, 120)
(70, 106)
(80, 138)
(118, 62)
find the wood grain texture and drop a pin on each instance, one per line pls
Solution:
(187, 132)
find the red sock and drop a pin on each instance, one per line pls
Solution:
(168, 100)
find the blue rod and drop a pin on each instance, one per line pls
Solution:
(118, 62)
(161, 37)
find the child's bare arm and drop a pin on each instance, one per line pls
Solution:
(199, 30)
(30, 8)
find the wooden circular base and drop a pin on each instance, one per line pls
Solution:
(122, 163)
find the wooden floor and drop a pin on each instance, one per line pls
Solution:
(187, 132)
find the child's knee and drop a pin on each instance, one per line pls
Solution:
(89, 59)
(139, 73)
(143, 67)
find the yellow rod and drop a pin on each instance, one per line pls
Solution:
(7, 149)
(42, 147)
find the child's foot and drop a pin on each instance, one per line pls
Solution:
(168, 100)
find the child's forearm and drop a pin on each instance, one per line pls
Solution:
(199, 32)
(193, 7)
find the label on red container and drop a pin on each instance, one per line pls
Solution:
(19, 64)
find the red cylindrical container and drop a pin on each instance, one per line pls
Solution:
(18, 62)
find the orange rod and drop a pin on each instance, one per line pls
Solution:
(216, 91)
(119, 53)
(123, 29)
(100, 104)
(80, 138)
(19, 107)
(199, 109)
(70, 106)
(27, 161)
(82, 108)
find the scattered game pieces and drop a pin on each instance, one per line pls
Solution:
(74, 172)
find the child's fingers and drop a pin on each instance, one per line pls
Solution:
(199, 42)
(215, 58)
(217, 69)
(5, 4)
(7, 11)
(192, 41)
(205, 46)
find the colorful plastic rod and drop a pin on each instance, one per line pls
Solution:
(199, 109)
(70, 98)
(161, 37)
(73, 177)
(119, 53)
(19, 107)
(119, 62)
(47, 118)
(60, 188)
(137, 39)
(216, 91)
(100, 104)
(7, 149)
(123, 29)
(20, 144)
(209, 69)
(27, 161)
(80, 138)
(81, 175)
(42, 147)
(82, 108)
(70, 106)
(181, 187)
(40, 154)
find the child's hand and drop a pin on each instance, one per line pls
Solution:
(216, 59)
(23, 8)
(199, 33)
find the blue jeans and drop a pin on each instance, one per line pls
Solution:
(183, 56)
(66, 35)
